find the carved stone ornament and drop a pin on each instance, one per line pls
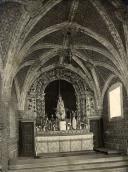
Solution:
(36, 95)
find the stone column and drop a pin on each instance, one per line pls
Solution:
(1, 128)
(78, 104)
(4, 113)
(43, 104)
(88, 108)
(88, 105)
(83, 105)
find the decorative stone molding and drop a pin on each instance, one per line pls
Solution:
(38, 90)
(90, 106)
(26, 115)
(65, 75)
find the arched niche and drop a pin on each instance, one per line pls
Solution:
(36, 95)
(52, 92)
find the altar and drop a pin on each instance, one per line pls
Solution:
(62, 116)
(64, 141)
(61, 133)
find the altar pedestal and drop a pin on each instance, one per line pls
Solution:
(63, 143)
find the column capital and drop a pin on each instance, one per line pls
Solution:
(99, 111)
(20, 113)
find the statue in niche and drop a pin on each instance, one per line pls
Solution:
(74, 124)
(46, 124)
(57, 124)
(60, 111)
(52, 123)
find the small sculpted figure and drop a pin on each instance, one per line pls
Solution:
(60, 112)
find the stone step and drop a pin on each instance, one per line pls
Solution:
(107, 151)
(118, 169)
(76, 167)
(66, 164)
(66, 154)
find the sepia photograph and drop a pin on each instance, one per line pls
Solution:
(63, 85)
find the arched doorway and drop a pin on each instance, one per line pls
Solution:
(51, 97)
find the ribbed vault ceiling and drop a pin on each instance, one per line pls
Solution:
(97, 38)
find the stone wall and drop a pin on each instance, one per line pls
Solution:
(116, 130)
(116, 136)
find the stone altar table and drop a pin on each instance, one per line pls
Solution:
(65, 141)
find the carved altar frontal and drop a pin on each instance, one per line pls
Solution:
(78, 140)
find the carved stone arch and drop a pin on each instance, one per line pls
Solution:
(55, 74)
(79, 85)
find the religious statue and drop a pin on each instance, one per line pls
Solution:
(60, 111)
(74, 121)
(46, 124)
(57, 124)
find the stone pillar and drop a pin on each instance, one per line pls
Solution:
(83, 105)
(1, 128)
(88, 105)
(43, 104)
(4, 110)
(13, 131)
(78, 105)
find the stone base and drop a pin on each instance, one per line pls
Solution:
(70, 143)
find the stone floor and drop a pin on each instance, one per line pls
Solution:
(89, 162)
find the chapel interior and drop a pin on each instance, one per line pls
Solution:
(63, 85)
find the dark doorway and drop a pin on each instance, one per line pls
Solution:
(51, 97)
(96, 126)
(26, 139)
